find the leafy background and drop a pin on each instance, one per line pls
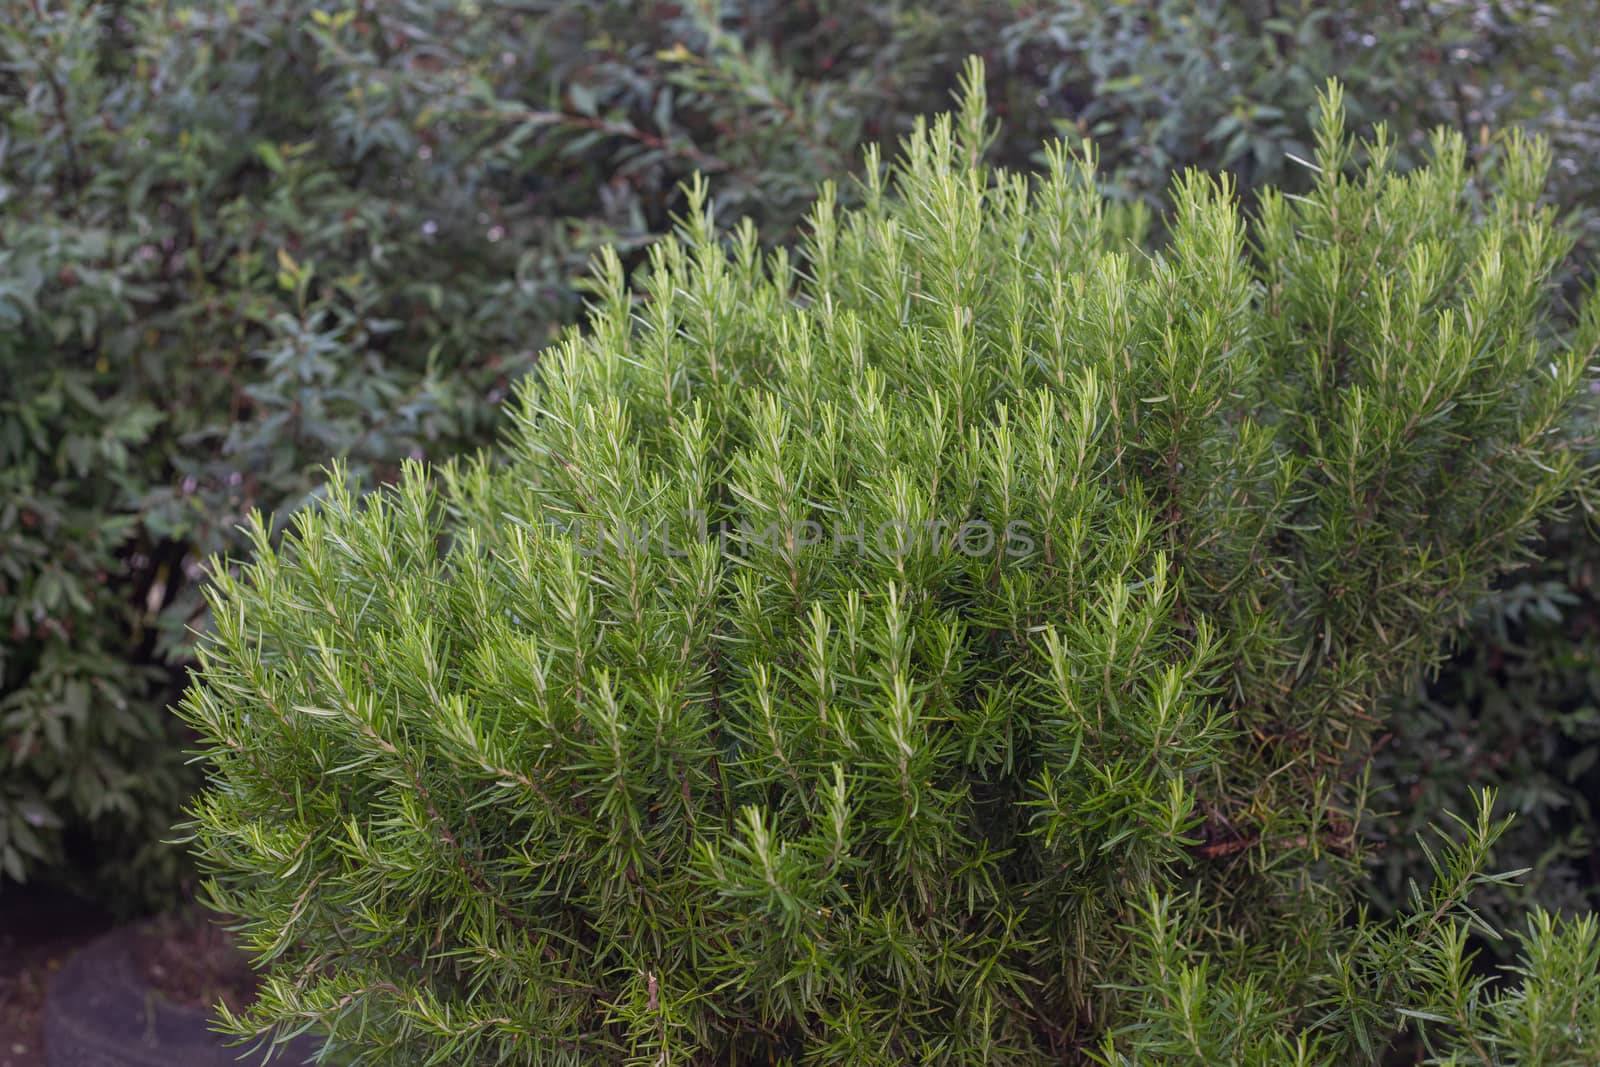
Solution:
(240, 239)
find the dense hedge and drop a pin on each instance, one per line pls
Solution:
(238, 240)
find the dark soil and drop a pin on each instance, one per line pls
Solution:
(186, 956)
(190, 958)
(39, 928)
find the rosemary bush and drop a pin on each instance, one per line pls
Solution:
(959, 642)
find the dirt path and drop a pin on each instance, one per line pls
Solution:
(38, 929)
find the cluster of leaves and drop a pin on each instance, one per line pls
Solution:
(957, 643)
(201, 298)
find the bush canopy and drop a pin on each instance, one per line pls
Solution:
(960, 642)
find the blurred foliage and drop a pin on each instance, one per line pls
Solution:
(239, 239)
(1517, 708)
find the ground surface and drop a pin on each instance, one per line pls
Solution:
(185, 956)
(39, 928)
(194, 961)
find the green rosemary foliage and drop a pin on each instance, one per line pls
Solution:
(958, 643)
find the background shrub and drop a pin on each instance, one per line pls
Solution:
(1518, 708)
(236, 241)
